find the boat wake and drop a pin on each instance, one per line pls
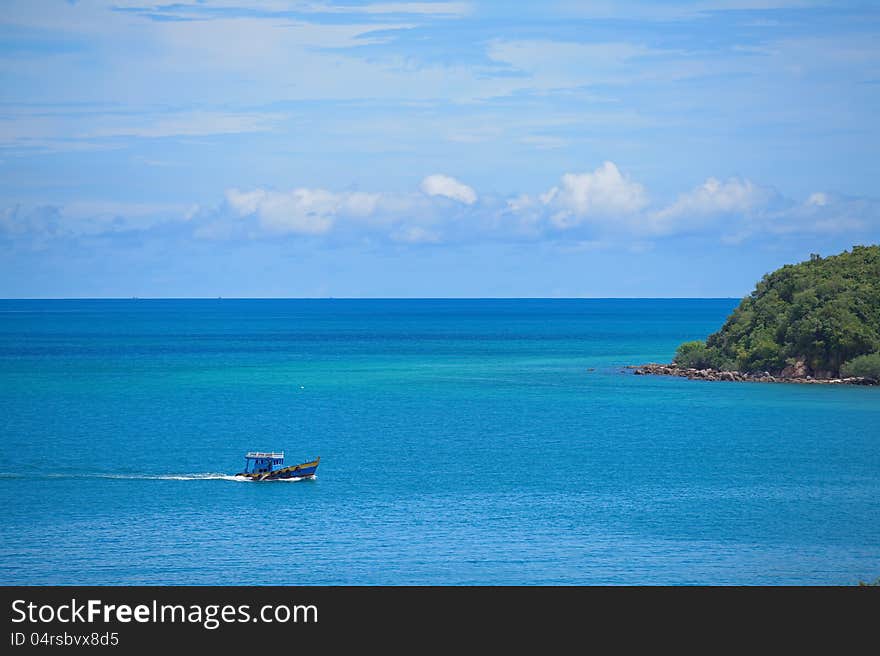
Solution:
(139, 477)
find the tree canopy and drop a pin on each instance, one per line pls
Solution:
(823, 313)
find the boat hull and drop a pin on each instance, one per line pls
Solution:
(304, 470)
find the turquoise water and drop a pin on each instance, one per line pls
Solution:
(462, 442)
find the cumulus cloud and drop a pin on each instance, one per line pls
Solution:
(713, 200)
(601, 201)
(443, 185)
(716, 197)
(603, 206)
(301, 211)
(600, 206)
(605, 192)
(345, 216)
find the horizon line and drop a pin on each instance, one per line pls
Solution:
(369, 298)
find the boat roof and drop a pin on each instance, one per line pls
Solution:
(265, 454)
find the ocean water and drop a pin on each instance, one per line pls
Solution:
(462, 442)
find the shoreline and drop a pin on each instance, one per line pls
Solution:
(656, 369)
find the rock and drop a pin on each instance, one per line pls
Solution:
(655, 369)
(798, 369)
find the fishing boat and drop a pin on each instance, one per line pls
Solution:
(269, 466)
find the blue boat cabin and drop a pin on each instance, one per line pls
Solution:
(257, 462)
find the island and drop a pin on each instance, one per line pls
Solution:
(813, 322)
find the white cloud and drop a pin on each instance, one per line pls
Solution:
(56, 130)
(189, 124)
(716, 197)
(818, 199)
(825, 213)
(301, 211)
(443, 185)
(606, 204)
(821, 213)
(198, 7)
(600, 206)
(437, 9)
(604, 193)
(585, 210)
(359, 203)
(734, 203)
(671, 10)
(348, 215)
(89, 218)
(245, 202)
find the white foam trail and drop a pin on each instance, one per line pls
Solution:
(134, 477)
(154, 477)
(293, 480)
(194, 477)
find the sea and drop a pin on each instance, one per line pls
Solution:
(462, 442)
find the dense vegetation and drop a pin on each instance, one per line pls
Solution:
(821, 317)
(867, 366)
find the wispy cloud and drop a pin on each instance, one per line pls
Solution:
(439, 9)
(196, 9)
(187, 124)
(37, 225)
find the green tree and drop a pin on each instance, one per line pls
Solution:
(824, 312)
(867, 366)
(692, 354)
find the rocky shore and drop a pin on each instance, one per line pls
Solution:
(654, 369)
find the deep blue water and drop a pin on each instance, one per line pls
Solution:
(462, 442)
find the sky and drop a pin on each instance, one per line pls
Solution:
(274, 148)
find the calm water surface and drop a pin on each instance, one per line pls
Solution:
(462, 442)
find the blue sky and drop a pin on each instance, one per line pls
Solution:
(301, 149)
